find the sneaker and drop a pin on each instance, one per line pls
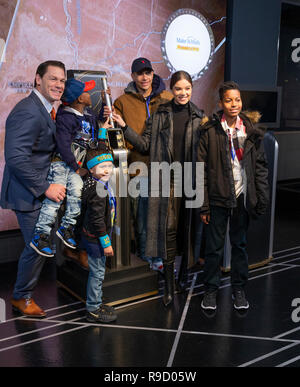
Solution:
(240, 301)
(109, 308)
(41, 244)
(209, 300)
(67, 236)
(104, 314)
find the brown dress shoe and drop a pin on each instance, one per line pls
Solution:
(27, 307)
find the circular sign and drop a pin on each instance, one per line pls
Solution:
(187, 42)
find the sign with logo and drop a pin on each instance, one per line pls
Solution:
(187, 42)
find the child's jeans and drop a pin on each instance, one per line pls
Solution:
(61, 173)
(94, 285)
(96, 260)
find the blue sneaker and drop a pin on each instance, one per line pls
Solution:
(67, 236)
(41, 244)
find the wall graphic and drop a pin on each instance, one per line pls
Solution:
(101, 35)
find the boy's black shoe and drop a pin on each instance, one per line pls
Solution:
(41, 244)
(209, 300)
(108, 308)
(67, 236)
(104, 314)
(240, 301)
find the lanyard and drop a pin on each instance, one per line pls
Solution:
(232, 150)
(147, 104)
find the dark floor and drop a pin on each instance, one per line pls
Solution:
(147, 334)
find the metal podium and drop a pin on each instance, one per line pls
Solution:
(261, 231)
(127, 277)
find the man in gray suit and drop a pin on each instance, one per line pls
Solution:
(29, 145)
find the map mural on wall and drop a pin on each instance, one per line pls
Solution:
(101, 35)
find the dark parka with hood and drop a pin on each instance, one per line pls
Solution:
(157, 141)
(213, 150)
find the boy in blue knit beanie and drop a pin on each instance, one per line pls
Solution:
(98, 213)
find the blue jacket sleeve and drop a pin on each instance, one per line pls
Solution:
(65, 133)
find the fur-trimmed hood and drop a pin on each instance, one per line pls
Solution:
(204, 120)
(254, 116)
(250, 118)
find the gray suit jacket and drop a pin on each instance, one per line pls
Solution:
(29, 145)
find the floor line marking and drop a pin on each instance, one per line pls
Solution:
(39, 329)
(30, 332)
(50, 319)
(250, 279)
(268, 355)
(137, 302)
(286, 333)
(255, 270)
(63, 314)
(283, 251)
(288, 362)
(285, 264)
(285, 256)
(247, 337)
(63, 306)
(102, 325)
(152, 298)
(250, 271)
(42, 338)
(195, 294)
(46, 310)
(181, 323)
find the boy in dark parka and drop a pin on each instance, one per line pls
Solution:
(235, 184)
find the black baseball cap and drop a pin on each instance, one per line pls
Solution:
(141, 64)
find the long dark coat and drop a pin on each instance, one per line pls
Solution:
(157, 141)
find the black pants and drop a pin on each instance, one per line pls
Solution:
(215, 240)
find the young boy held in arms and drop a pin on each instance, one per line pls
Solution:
(78, 128)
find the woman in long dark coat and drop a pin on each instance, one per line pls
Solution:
(171, 135)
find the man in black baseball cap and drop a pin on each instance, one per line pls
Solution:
(141, 98)
(142, 75)
(140, 64)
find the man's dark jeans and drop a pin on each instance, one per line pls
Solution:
(215, 240)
